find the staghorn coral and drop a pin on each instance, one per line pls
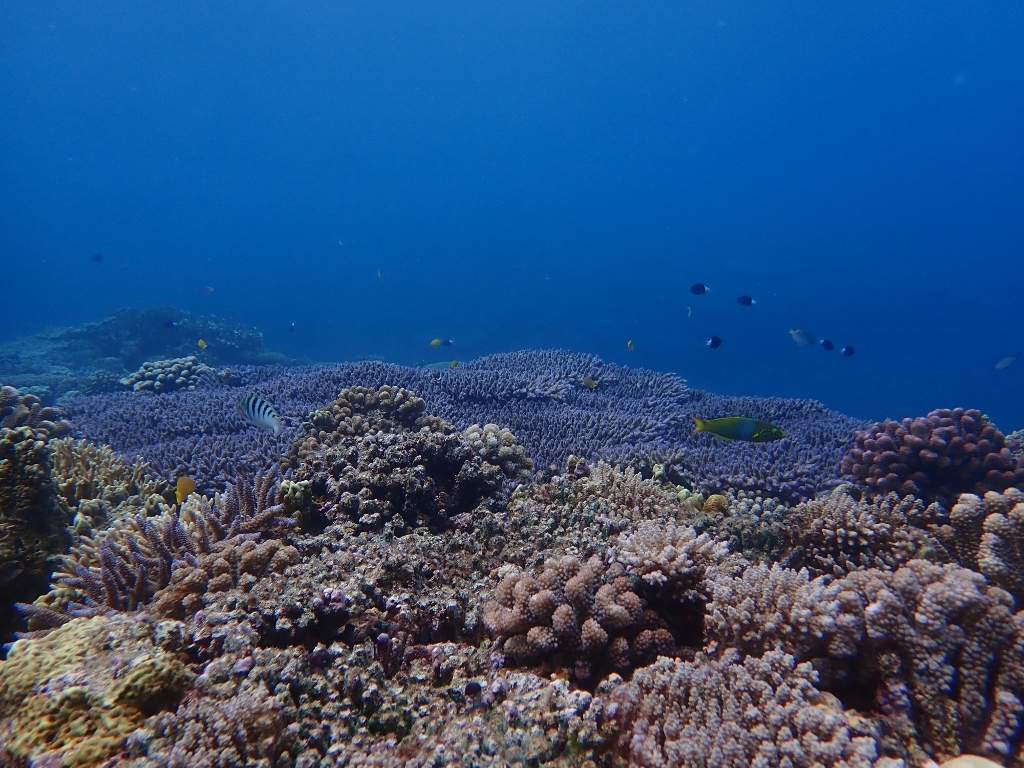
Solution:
(18, 410)
(372, 469)
(989, 537)
(734, 713)
(934, 457)
(836, 534)
(168, 375)
(585, 617)
(75, 695)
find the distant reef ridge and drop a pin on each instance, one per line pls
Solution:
(93, 357)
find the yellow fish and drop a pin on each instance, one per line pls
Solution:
(439, 342)
(202, 344)
(185, 486)
(455, 363)
(590, 382)
(631, 346)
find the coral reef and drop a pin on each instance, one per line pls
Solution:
(633, 417)
(72, 697)
(169, 375)
(934, 457)
(27, 410)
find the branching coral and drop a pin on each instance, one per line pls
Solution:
(736, 713)
(836, 534)
(934, 457)
(580, 616)
(123, 566)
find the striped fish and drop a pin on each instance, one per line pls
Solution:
(258, 412)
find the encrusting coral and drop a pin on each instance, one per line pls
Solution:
(74, 695)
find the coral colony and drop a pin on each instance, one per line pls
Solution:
(498, 564)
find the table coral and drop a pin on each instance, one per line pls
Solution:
(78, 692)
(934, 457)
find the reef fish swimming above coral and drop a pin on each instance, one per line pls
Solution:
(386, 580)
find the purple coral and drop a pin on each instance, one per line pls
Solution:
(633, 417)
(934, 457)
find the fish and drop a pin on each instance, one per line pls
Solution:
(827, 345)
(202, 344)
(847, 351)
(740, 428)
(96, 258)
(745, 301)
(714, 342)
(380, 274)
(291, 328)
(1006, 362)
(455, 363)
(183, 488)
(801, 337)
(171, 323)
(698, 289)
(206, 290)
(258, 412)
(589, 382)
(689, 311)
(439, 342)
(631, 346)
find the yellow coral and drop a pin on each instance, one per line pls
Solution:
(68, 693)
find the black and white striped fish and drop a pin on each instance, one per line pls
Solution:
(258, 412)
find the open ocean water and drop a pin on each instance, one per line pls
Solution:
(687, 188)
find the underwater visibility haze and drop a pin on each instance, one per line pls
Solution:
(421, 384)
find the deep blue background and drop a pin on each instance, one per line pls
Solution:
(513, 174)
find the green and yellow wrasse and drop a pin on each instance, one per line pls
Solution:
(741, 428)
(589, 382)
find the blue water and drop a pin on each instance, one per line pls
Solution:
(529, 174)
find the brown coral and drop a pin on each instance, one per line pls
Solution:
(990, 537)
(18, 410)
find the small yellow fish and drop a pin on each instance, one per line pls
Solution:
(202, 344)
(590, 382)
(455, 363)
(185, 486)
(631, 346)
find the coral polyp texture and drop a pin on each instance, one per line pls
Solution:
(27, 410)
(934, 457)
(501, 564)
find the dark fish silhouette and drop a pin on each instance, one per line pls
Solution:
(745, 301)
(847, 351)
(291, 328)
(827, 345)
(698, 288)
(96, 258)
(714, 342)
